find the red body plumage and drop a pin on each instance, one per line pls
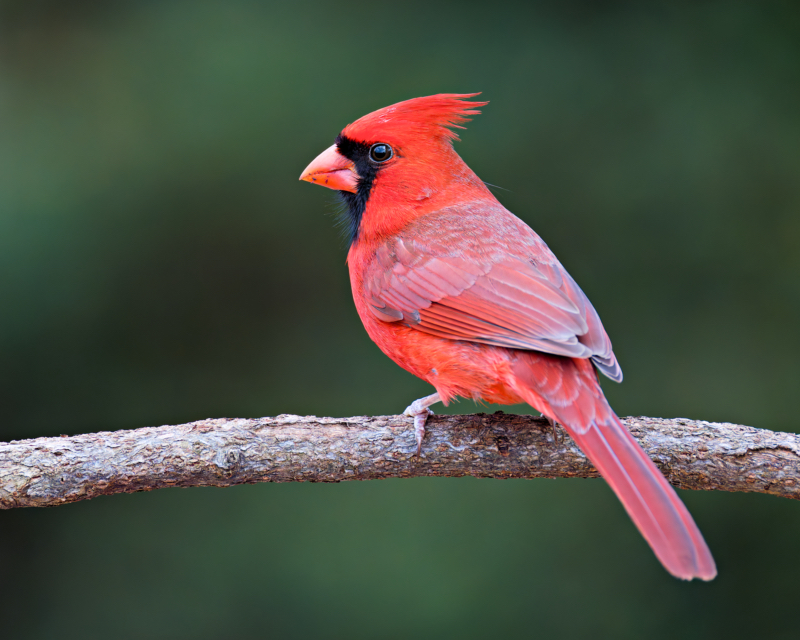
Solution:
(463, 294)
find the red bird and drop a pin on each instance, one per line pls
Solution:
(460, 292)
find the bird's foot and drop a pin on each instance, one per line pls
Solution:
(420, 412)
(553, 424)
(419, 428)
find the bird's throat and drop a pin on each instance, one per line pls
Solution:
(354, 204)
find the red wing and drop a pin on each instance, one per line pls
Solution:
(503, 300)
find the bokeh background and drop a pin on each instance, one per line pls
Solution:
(161, 263)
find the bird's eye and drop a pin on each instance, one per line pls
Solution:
(380, 152)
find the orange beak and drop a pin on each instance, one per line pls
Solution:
(331, 169)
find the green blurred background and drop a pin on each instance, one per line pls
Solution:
(160, 263)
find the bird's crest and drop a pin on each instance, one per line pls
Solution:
(434, 115)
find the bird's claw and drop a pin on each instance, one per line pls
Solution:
(420, 415)
(419, 428)
(420, 412)
(553, 424)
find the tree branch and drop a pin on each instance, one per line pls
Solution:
(692, 454)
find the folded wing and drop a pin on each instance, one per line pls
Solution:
(511, 298)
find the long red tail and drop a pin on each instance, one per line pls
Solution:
(567, 390)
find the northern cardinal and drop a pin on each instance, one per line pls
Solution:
(460, 292)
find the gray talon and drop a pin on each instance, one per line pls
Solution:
(420, 412)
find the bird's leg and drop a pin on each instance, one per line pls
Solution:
(420, 412)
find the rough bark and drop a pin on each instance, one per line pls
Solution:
(692, 454)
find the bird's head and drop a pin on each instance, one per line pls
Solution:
(392, 164)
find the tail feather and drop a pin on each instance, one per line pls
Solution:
(649, 499)
(567, 390)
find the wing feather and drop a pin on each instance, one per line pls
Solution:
(514, 295)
